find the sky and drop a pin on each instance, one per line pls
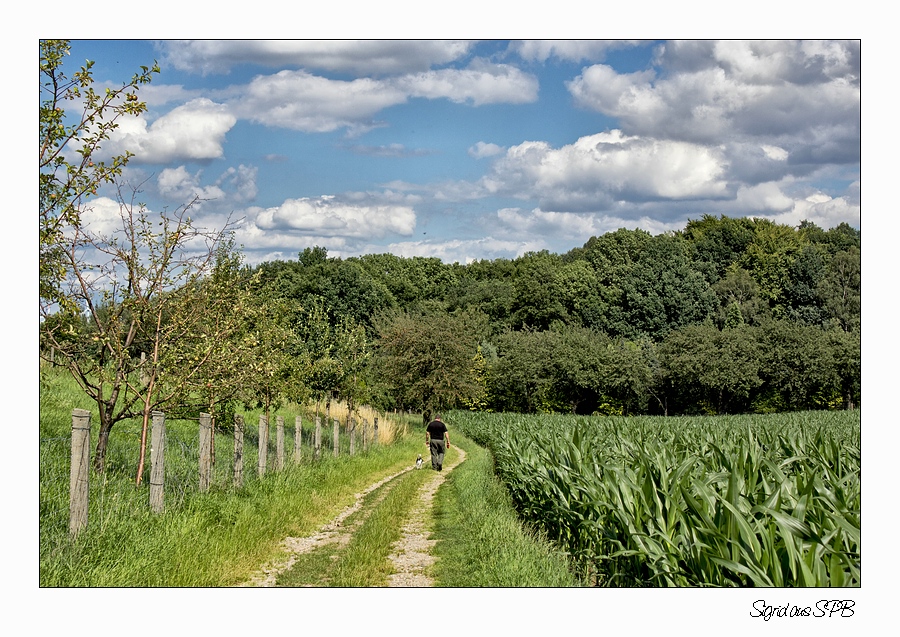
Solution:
(467, 149)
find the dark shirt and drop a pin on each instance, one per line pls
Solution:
(436, 429)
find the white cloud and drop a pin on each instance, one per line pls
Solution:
(480, 83)
(241, 181)
(299, 100)
(483, 149)
(823, 210)
(569, 50)
(237, 185)
(177, 184)
(358, 56)
(464, 250)
(760, 199)
(572, 229)
(192, 131)
(102, 216)
(327, 216)
(599, 169)
(794, 95)
(774, 152)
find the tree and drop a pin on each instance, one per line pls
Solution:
(426, 359)
(799, 367)
(840, 289)
(710, 370)
(769, 259)
(538, 291)
(739, 301)
(131, 292)
(657, 290)
(70, 170)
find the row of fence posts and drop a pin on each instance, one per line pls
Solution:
(81, 454)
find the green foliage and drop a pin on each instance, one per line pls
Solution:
(70, 146)
(480, 540)
(425, 360)
(739, 501)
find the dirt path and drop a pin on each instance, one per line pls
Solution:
(411, 554)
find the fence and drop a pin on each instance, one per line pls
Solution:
(205, 439)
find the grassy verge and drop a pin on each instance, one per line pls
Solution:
(480, 540)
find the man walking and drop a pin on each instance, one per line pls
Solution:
(436, 436)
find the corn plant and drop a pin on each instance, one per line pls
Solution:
(712, 501)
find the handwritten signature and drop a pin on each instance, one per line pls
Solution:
(823, 608)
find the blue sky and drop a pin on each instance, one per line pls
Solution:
(482, 149)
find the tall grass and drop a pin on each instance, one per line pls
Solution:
(737, 501)
(202, 539)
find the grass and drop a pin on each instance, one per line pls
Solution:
(364, 560)
(481, 541)
(217, 538)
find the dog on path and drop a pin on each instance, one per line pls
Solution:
(419, 462)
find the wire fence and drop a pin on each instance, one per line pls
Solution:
(107, 494)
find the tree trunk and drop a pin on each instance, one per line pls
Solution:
(102, 444)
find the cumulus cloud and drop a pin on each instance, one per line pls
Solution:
(823, 210)
(102, 216)
(802, 97)
(193, 131)
(571, 229)
(568, 50)
(356, 56)
(237, 185)
(302, 101)
(598, 170)
(179, 184)
(328, 216)
(464, 250)
(483, 149)
(481, 83)
(299, 100)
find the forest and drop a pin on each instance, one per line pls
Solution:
(730, 315)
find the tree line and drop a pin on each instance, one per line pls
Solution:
(730, 315)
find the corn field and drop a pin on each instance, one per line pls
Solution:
(709, 501)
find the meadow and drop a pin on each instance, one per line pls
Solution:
(756, 500)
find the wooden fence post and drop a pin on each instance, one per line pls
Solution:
(279, 443)
(375, 435)
(352, 425)
(336, 437)
(298, 438)
(157, 461)
(263, 444)
(238, 451)
(365, 434)
(79, 472)
(205, 457)
(318, 439)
